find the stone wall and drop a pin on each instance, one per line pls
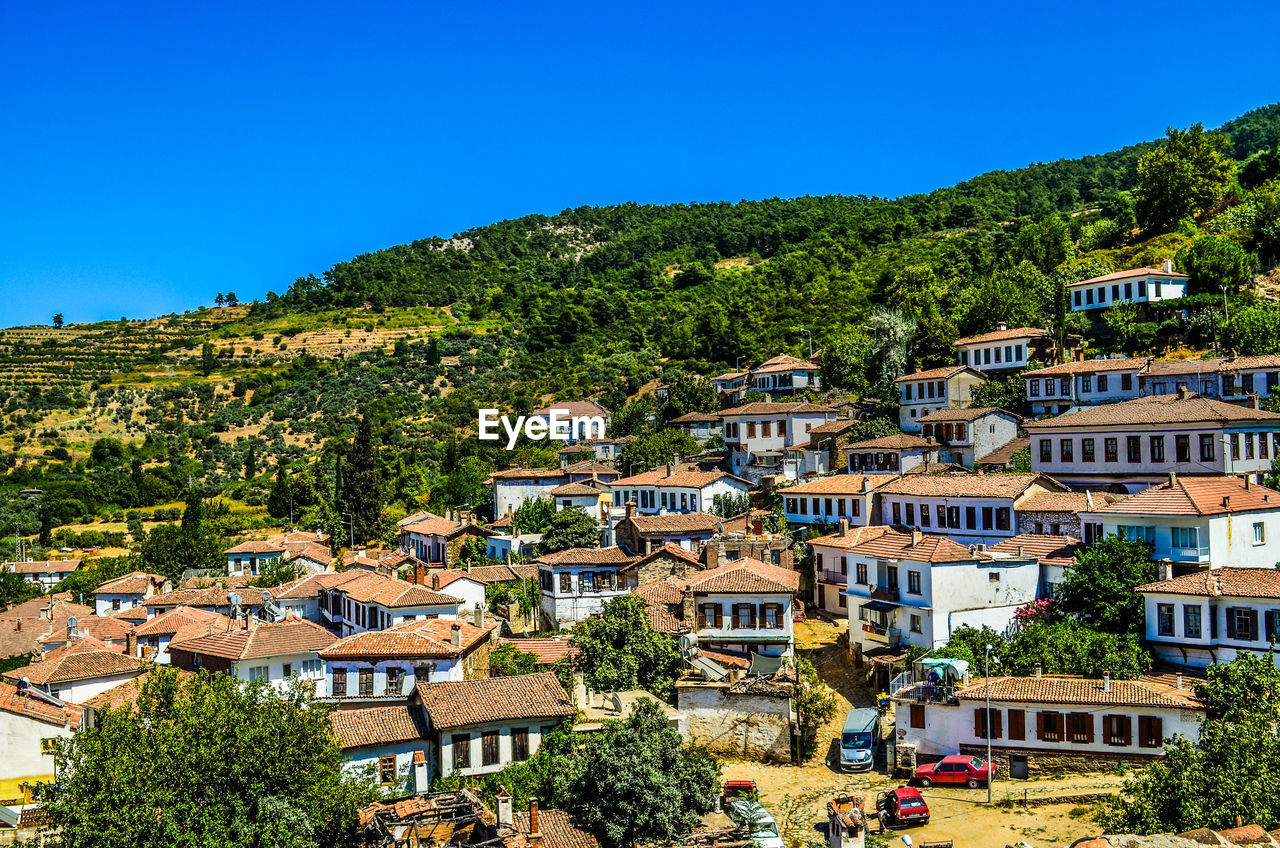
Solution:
(662, 566)
(1068, 522)
(751, 724)
(1042, 763)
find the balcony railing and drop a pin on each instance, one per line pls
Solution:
(1195, 553)
(879, 633)
(885, 593)
(834, 577)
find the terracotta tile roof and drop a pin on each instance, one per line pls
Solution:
(1003, 455)
(256, 547)
(431, 637)
(573, 407)
(1196, 495)
(310, 585)
(833, 428)
(856, 536)
(1158, 409)
(681, 479)
(84, 659)
(1067, 501)
(931, 549)
(132, 615)
(531, 473)
(126, 694)
(1228, 581)
(968, 485)
(487, 574)
(578, 448)
(762, 408)
(183, 623)
(502, 522)
(1078, 691)
(575, 490)
(1088, 366)
(668, 590)
(39, 608)
(592, 467)
(559, 829)
(728, 376)
(587, 556)
(839, 484)
(696, 418)
(1181, 367)
(1003, 335)
(1132, 272)
(547, 651)
(294, 537)
(1247, 363)
(311, 550)
(56, 566)
(726, 659)
(136, 583)
(37, 708)
(416, 517)
(668, 549)
(894, 441)
(972, 413)
(271, 639)
(783, 362)
(679, 523)
(494, 699)
(23, 624)
(451, 575)
(392, 593)
(214, 596)
(745, 576)
(98, 627)
(1050, 550)
(431, 527)
(942, 373)
(235, 583)
(362, 728)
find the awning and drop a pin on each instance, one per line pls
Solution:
(880, 606)
(763, 666)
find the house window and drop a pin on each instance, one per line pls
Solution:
(489, 748)
(387, 770)
(1164, 619)
(1185, 538)
(971, 518)
(1126, 382)
(1116, 730)
(860, 571)
(710, 615)
(1033, 388)
(1259, 533)
(1088, 297)
(1049, 726)
(924, 515)
(844, 566)
(519, 744)
(1086, 384)
(911, 514)
(917, 716)
(1182, 447)
(771, 616)
(1111, 449)
(913, 582)
(766, 429)
(339, 682)
(1234, 441)
(744, 616)
(1050, 387)
(1002, 518)
(1080, 728)
(1133, 448)
(916, 626)
(1115, 292)
(891, 576)
(953, 517)
(1242, 624)
(1157, 448)
(1075, 300)
(115, 604)
(1150, 731)
(461, 743)
(1046, 450)
(1102, 382)
(988, 517)
(395, 681)
(751, 429)
(984, 721)
(1128, 291)
(897, 512)
(1191, 621)
(258, 672)
(1206, 447)
(1142, 288)
(1086, 450)
(1065, 450)
(366, 682)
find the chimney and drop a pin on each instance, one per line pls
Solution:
(1179, 683)
(916, 536)
(1002, 326)
(535, 830)
(1167, 266)
(1182, 392)
(671, 468)
(631, 509)
(1253, 401)
(844, 527)
(866, 486)
(19, 626)
(435, 581)
(1248, 483)
(477, 616)
(1039, 670)
(108, 641)
(1106, 681)
(505, 817)
(1173, 479)
(455, 635)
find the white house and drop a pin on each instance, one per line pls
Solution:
(389, 663)
(828, 500)
(503, 546)
(578, 582)
(1055, 553)
(591, 497)
(389, 741)
(784, 373)
(1083, 383)
(458, 583)
(1036, 724)
(582, 419)
(482, 726)
(668, 490)
(129, 591)
(1136, 443)
(1197, 522)
(375, 602)
(515, 487)
(914, 589)
(249, 557)
(78, 670)
(30, 728)
(276, 653)
(745, 607)
(1242, 376)
(45, 573)
(152, 637)
(729, 386)
(1004, 349)
(970, 508)
(963, 435)
(699, 425)
(1213, 616)
(757, 434)
(642, 534)
(1139, 285)
(898, 453)
(301, 598)
(949, 387)
(831, 564)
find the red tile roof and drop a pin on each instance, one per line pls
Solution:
(839, 484)
(1088, 366)
(894, 441)
(696, 418)
(668, 549)
(273, 639)
(969, 485)
(1157, 409)
(56, 566)
(522, 473)
(1050, 550)
(1133, 272)
(431, 527)
(854, 537)
(547, 650)
(1003, 335)
(392, 593)
(255, 547)
(928, 548)
(576, 490)
(98, 627)
(587, 556)
(783, 362)
(494, 699)
(34, 707)
(84, 659)
(680, 523)
(745, 576)
(310, 585)
(361, 728)
(1067, 501)
(1004, 454)
(680, 479)
(972, 413)
(183, 623)
(943, 373)
(1196, 495)
(1228, 581)
(126, 694)
(135, 583)
(1075, 690)
(487, 574)
(559, 829)
(762, 408)
(573, 407)
(432, 637)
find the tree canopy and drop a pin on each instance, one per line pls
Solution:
(619, 650)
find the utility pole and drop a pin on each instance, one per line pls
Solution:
(987, 723)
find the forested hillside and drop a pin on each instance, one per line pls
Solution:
(117, 423)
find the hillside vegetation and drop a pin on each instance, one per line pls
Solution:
(259, 403)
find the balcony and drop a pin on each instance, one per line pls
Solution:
(885, 593)
(873, 632)
(833, 577)
(1196, 553)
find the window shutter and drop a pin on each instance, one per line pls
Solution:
(1231, 622)
(979, 723)
(1087, 718)
(1126, 729)
(1252, 615)
(1155, 731)
(764, 615)
(1017, 724)
(702, 616)
(917, 715)
(1040, 726)
(1062, 727)
(995, 724)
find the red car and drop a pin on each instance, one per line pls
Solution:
(957, 768)
(902, 807)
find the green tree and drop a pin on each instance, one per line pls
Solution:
(619, 650)
(209, 760)
(275, 572)
(1121, 319)
(1098, 589)
(728, 506)
(845, 361)
(507, 660)
(208, 358)
(533, 516)
(1254, 330)
(14, 589)
(815, 706)
(57, 320)
(569, 528)
(638, 783)
(1212, 261)
(197, 542)
(689, 393)
(1008, 393)
(280, 501)
(362, 484)
(654, 449)
(1186, 176)
(1046, 244)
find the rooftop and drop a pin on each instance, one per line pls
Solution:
(1182, 408)
(1088, 366)
(683, 479)
(1196, 495)
(745, 576)
(1133, 272)
(135, 583)
(1050, 550)
(269, 639)
(1067, 501)
(1003, 335)
(392, 593)
(839, 484)
(362, 728)
(35, 707)
(1079, 691)
(85, 658)
(892, 442)
(256, 547)
(969, 485)
(1226, 582)
(587, 556)
(547, 650)
(677, 522)
(431, 637)
(934, 373)
(972, 413)
(493, 699)
(762, 408)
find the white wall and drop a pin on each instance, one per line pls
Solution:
(841, 506)
(1102, 295)
(510, 495)
(995, 356)
(275, 669)
(79, 691)
(1208, 647)
(20, 757)
(965, 534)
(357, 760)
(442, 670)
(1077, 468)
(1229, 539)
(103, 603)
(727, 633)
(504, 745)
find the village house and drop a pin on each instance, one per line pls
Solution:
(276, 653)
(78, 670)
(729, 386)
(1055, 553)
(748, 536)
(1213, 616)
(389, 663)
(828, 500)
(1236, 379)
(31, 726)
(1083, 383)
(825, 450)
(439, 541)
(515, 487)
(1041, 725)
(914, 589)
(949, 387)
(44, 573)
(308, 552)
(1058, 513)
(592, 497)
(129, 591)
(300, 598)
(481, 726)
(576, 583)
(1004, 349)
(1135, 444)
(641, 534)
(1197, 376)
(250, 557)
(963, 435)
(699, 425)
(970, 508)
(898, 453)
(758, 434)
(672, 489)
(219, 598)
(386, 740)
(505, 547)
(1239, 377)
(577, 416)
(115, 633)
(744, 607)
(1197, 522)
(831, 564)
(152, 637)
(376, 602)
(784, 374)
(1141, 286)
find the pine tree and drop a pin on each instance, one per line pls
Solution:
(361, 484)
(279, 501)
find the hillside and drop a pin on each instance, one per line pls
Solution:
(597, 301)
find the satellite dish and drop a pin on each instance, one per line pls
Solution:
(72, 624)
(234, 599)
(24, 684)
(266, 596)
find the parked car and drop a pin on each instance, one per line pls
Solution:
(740, 789)
(859, 739)
(749, 814)
(902, 807)
(957, 768)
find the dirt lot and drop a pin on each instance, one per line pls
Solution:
(798, 796)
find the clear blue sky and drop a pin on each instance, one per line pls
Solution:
(154, 154)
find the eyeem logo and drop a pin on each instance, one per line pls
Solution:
(557, 424)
